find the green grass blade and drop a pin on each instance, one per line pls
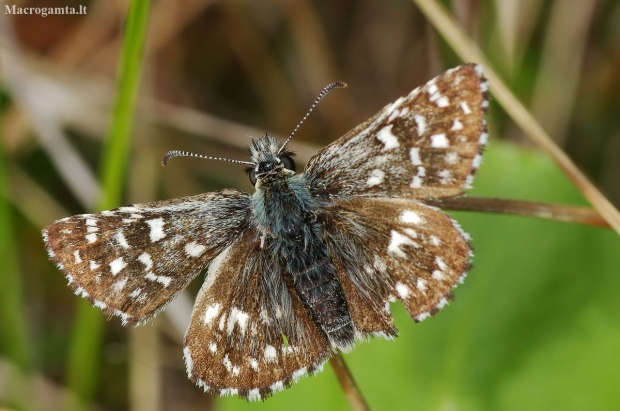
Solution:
(87, 336)
(116, 150)
(14, 340)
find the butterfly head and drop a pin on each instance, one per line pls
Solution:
(269, 158)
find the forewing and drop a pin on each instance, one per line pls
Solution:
(424, 145)
(132, 260)
(394, 249)
(249, 334)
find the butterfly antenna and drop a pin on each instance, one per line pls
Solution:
(326, 89)
(179, 153)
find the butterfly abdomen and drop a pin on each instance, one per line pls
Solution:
(314, 279)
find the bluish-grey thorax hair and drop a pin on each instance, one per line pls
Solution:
(282, 202)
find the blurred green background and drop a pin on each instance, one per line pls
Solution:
(536, 324)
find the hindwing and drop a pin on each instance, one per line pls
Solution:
(250, 334)
(394, 249)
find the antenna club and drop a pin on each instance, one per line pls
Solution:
(168, 156)
(339, 84)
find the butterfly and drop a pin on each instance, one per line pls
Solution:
(309, 263)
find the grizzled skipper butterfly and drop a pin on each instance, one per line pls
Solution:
(307, 264)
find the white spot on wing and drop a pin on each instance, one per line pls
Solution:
(277, 386)
(393, 115)
(439, 141)
(91, 222)
(416, 183)
(229, 391)
(456, 125)
(477, 161)
(119, 285)
(254, 364)
(436, 96)
(402, 290)
(77, 257)
(443, 101)
(129, 209)
(227, 364)
(465, 107)
(93, 265)
(189, 364)
(91, 237)
(438, 275)
(299, 373)
(121, 240)
(452, 157)
(157, 229)
(421, 284)
(194, 249)
(484, 138)
(445, 176)
(254, 395)
(422, 317)
(145, 259)
(379, 264)
(418, 179)
(388, 139)
(468, 180)
(440, 263)
(421, 124)
(414, 154)
(270, 354)
(409, 216)
(237, 317)
(397, 240)
(162, 279)
(376, 178)
(211, 312)
(117, 265)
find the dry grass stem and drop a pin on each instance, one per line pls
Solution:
(350, 388)
(558, 212)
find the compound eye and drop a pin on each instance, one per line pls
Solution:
(253, 177)
(288, 162)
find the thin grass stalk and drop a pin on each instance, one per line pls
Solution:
(557, 212)
(465, 47)
(348, 384)
(86, 344)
